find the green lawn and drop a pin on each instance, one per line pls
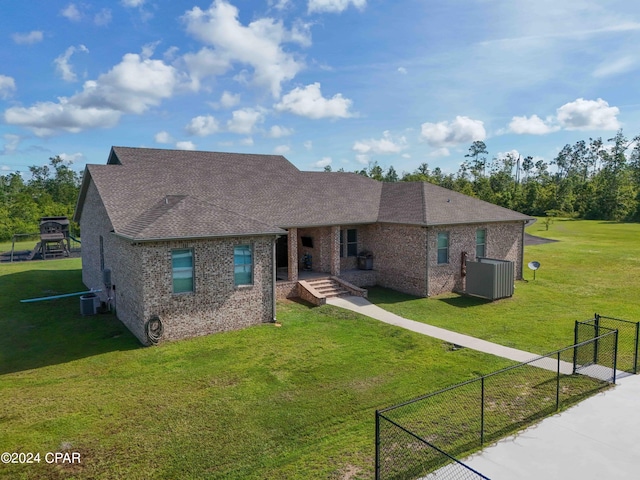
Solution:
(295, 401)
(594, 267)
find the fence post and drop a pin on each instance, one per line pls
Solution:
(635, 356)
(377, 464)
(597, 334)
(558, 382)
(575, 349)
(482, 411)
(615, 356)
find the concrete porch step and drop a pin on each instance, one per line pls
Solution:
(322, 288)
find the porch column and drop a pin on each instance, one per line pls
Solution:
(335, 251)
(292, 243)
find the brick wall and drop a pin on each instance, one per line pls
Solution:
(503, 241)
(216, 304)
(143, 287)
(399, 256)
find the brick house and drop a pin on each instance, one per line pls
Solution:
(207, 242)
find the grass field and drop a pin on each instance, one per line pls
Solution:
(295, 401)
(593, 268)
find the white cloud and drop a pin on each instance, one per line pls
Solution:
(30, 38)
(71, 157)
(616, 67)
(276, 131)
(62, 63)
(448, 134)
(11, 143)
(132, 86)
(203, 126)
(243, 121)
(71, 12)
(323, 162)
(228, 100)
(163, 137)
(402, 70)
(308, 144)
(186, 146)
(103, 17)
(205, 63)
(533, 125)
(247, 141)
(7, 86)
(282, 149)
(309, 102)
(440, 152)
(132, 3)
(334, 6)
(45, 118)
(386, 145)
(584, 114)
(363, 159)
(259, 44)
(279, 4)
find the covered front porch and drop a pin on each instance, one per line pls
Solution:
(320, 253)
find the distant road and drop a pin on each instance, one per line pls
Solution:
(533, 240)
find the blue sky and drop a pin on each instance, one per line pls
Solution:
(338, 82)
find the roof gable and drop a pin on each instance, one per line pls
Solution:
(243, 193)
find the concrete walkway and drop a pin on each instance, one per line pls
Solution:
(365, 307)
(594, 440)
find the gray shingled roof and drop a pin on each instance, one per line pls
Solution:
(154, 193)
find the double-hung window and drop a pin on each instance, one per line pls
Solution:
(182, 270)
(352, 242)
(443, 248)
(349, 248)
(481, 242)
(243, 265)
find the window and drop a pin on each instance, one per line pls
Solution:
(182, 270)
(352, 242)
(443, 248)
(243, 265)
(481, 241)
(101, 253)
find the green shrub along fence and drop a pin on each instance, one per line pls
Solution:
(422, 437)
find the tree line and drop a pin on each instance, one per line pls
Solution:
(591, 180)
(52, 190)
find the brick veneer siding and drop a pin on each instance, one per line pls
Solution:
(143, 287)
(119, 256)
(399, 256)
(503, 241)
(321, 251)
(216, 303)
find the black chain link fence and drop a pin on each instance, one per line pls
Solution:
(628, 338)
(412, 438)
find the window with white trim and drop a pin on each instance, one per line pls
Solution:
(243, 265)
(443, 248)
(182, 270)
(481, 242)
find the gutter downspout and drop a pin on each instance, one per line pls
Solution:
(522, 253)
(426, 247)
(273, 282)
